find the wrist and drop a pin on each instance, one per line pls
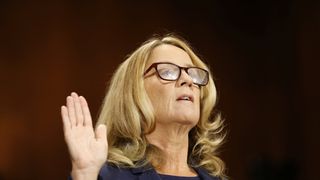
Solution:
(84, 174)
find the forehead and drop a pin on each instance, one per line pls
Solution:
(169, 53)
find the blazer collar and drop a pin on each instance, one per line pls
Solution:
(148, 173)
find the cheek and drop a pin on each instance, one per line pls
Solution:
(197, 95)
(198, 102)
(163, 106)
(158, 94)
(162, 98)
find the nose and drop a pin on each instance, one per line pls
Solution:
(185, 79)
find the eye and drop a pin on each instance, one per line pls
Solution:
(167, 73)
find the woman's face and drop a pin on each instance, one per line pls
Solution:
(174, 102)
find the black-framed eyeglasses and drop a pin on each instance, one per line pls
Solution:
(171, 72)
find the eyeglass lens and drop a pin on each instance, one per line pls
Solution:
(172, 72)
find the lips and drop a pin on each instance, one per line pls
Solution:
(185, 97)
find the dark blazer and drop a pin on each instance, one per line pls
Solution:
(108, 172)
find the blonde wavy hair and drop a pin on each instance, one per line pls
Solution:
(128, 113)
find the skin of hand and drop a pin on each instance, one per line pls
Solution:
(88, 147)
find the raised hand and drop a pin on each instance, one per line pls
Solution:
(87, 147)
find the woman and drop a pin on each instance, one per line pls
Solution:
(158, 112)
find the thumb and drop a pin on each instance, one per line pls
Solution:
(101, 132)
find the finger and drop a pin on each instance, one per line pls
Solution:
(101, 133)
(65, 119)
(71, 113)
(86, 112)
(78, 109)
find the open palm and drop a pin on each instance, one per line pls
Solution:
(87, 147)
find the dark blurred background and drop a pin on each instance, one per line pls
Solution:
(264, 55)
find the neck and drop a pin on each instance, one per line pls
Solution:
(173, 143)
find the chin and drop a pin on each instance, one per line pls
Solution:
(189, 121)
